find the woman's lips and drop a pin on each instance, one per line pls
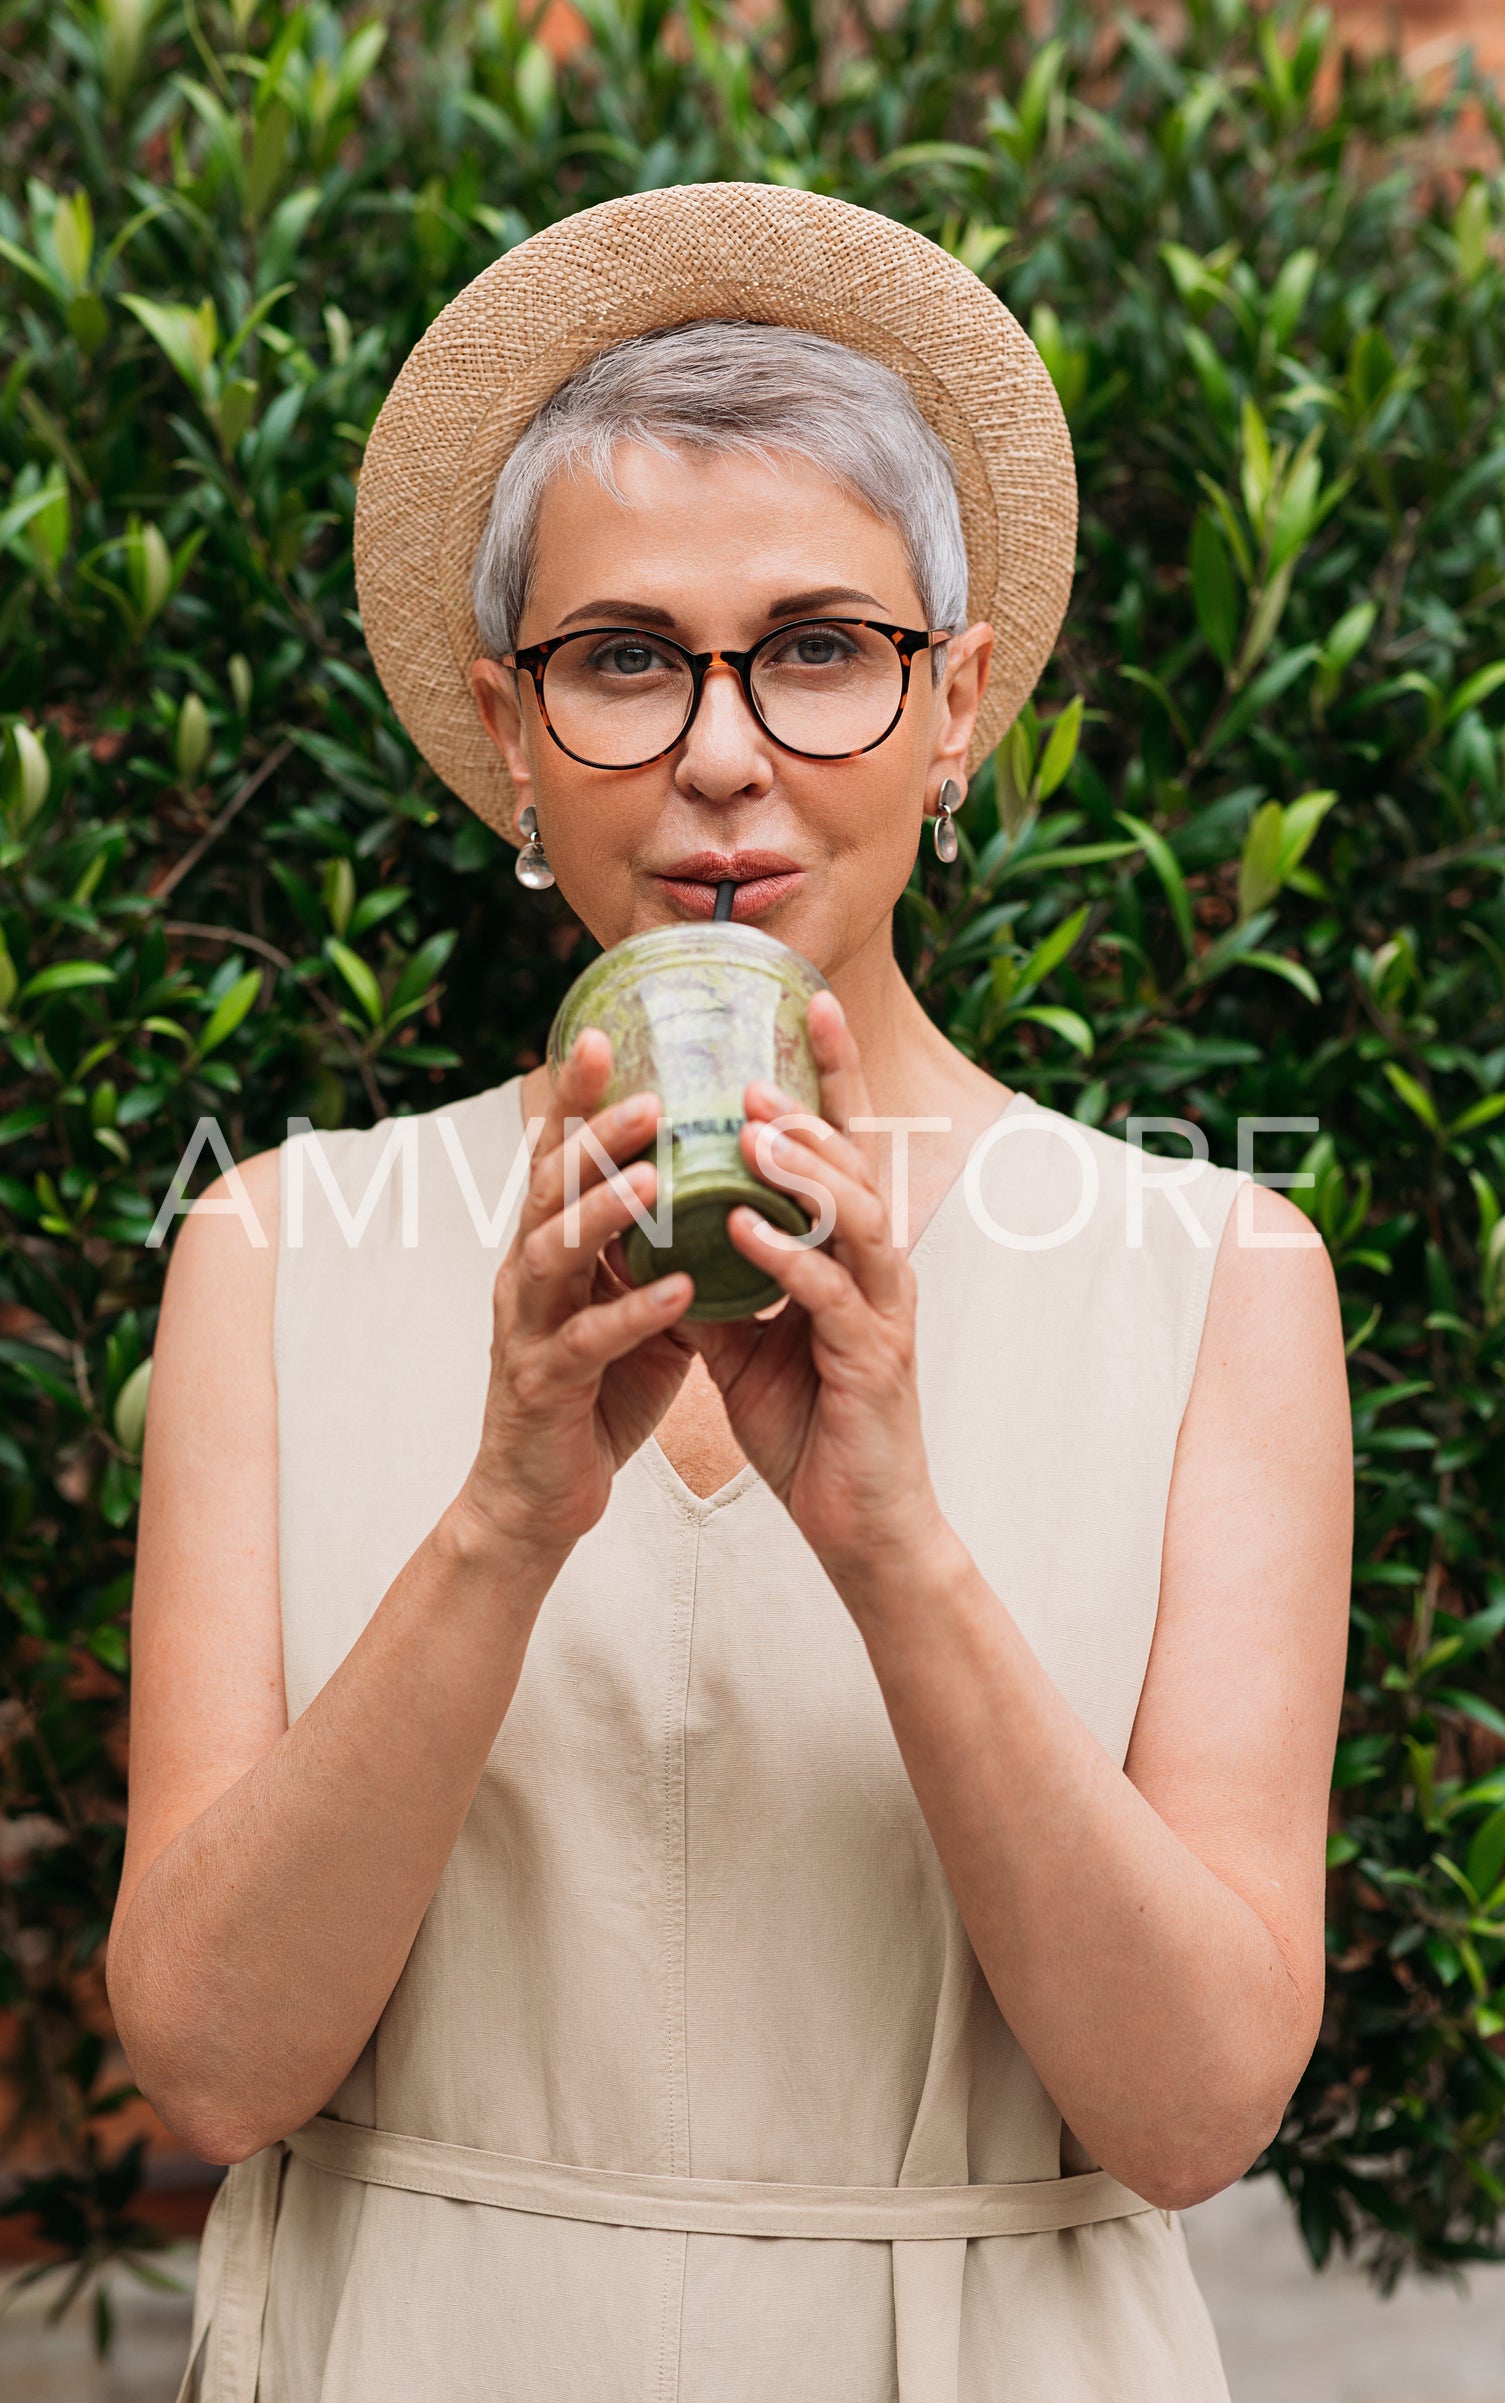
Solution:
(697, 895)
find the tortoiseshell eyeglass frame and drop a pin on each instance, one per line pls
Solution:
(908, 641)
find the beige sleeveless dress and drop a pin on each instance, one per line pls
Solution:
(691, 2089)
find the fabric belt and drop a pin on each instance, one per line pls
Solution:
(928, 2227)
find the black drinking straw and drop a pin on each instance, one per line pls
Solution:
(726, 894)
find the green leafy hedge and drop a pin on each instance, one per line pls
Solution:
(1244, 857)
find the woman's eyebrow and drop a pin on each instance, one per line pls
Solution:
(802, 604)
(615, 612)
(642, 613)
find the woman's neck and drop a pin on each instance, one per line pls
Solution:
(910, 1068)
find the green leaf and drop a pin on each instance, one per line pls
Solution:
(1259, 875)
(1211, 374)
(417, 978)
(1163, 860)
(1478, 688)
(1473, 1706)
(20, 513)
(130, 1409)
(1478, 1113)
(1292, 971)
(22, 259)
(1471, 232)
(1277, 678)
(357, 976)
(1296, 511)
(73, 239)
(1289, 296)
(1264, 619)
(1060, 750)
(1415, 1096)
(1152, 684)
(1066, 362)
(337, 890)
(1057, 946)
(1214, 593)
(188, 337)
(65, 977)
(255, 317)
(230, 1011)
(31, 782)
(1066, 1023)
(233, 411)
(1303, 816)
(21, 1121)
(1257, 468)
(1349, 635)
(1486, 1854)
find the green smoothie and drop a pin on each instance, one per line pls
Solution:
(694, 1014)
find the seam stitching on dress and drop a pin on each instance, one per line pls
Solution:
(219, 2333)
(672, 2319)
(676, 1708)
(1196, 1294)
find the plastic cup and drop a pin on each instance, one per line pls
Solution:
(694, 1014)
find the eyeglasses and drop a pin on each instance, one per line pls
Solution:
(824, 688)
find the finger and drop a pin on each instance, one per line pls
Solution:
(612, 1262)
(843, 1087)
(557, 1259)
(788, 1119)
(593, 1338)
(861, 1235)
(823, 1287)
(577, 1088)
(583, 1077)
(585, 1145)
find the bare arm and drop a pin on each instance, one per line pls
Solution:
(1154, 1935)
(275, 1876)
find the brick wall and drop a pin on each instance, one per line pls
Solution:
(1427, 30)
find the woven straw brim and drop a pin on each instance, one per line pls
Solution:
(492, 357)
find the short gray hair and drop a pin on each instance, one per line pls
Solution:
(732, 385)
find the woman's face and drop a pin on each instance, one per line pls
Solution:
(715, 550)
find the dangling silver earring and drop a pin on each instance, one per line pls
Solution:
(951, 799)
(533, 869)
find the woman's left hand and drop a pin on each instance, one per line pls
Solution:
(822, 1397)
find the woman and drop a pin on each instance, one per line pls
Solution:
(704, 1861)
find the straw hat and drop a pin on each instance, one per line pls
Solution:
(491, 359)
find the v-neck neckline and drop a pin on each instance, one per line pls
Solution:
(651, 1452)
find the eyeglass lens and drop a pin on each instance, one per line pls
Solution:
(617, 699)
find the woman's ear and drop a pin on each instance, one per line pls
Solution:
(496, 698)
(968, 659)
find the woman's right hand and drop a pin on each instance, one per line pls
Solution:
(583, 1364)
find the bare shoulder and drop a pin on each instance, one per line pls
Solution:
(1238, 1716)
(206, 1686)
(1273, 1294)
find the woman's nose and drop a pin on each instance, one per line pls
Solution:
(726, 751)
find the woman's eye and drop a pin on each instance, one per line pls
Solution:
(629, 658)
(816, 647)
